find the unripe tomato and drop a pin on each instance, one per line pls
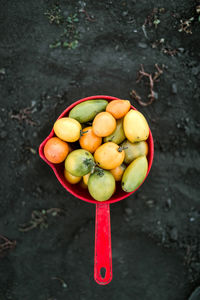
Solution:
(56, 150)
(79, 162)
(109, 156)
(104, 124)
(67, 129)
(89, 141)
(118, 108)
(101, 185)
(134, 174)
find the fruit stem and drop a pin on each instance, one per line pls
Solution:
(82, 132)
(121, 148)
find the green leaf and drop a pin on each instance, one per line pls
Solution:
(74, 44)
(55, 45)
(65, 44)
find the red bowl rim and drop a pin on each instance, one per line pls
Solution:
(41, 153)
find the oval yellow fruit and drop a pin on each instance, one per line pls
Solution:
(86, 178)
(67, 129)
(134, 174)
(136, 128)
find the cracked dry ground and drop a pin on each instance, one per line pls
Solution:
(155, 232)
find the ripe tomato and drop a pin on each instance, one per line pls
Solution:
(109, 156)
(71, 178)
(89, 141)
(118, 108)
(118, 172)
(104, 124)
(67, 129)
(56, 150)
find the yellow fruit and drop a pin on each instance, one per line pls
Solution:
(71, 178)
(86, 178)
(136, 128)
(134, 174)
(67, 129)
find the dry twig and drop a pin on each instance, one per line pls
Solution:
(39, 218)
(24, 115)
(152, 80)
(185, 25)
(63, 283)
(6, 245)
(90, 19)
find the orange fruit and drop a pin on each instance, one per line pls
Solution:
(118, 172)
(109, 156)
(89, 141)
(103, 124)
(118, 108)
(56, 150)
(71, 178)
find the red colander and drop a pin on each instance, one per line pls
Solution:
(103, 252)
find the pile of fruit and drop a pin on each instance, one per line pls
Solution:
(111, 147)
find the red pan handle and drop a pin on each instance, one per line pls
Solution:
(103, 251)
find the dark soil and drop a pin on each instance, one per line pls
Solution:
(156, 231)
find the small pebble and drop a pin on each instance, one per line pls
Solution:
(142, 45)
(169, 203)
(150, 203)
(128, 211)
(195, 295)
(2, 71)
(125, 13)
(3, 134)
(174, 88)
(181, 50)
(195, 71)
(174, 234)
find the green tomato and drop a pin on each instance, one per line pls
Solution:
(79, 162)
(134, 174)
(134, 150)
(87, 110)
(118, 135)
(101, 185)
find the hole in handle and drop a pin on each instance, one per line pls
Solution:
(103, 272)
